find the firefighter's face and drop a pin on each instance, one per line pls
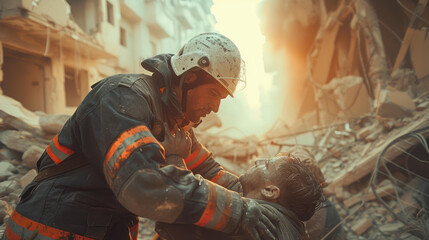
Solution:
(204, 99)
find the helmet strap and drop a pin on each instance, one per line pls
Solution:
(183, 92)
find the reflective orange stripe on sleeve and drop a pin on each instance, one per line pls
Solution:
(10, 234)
(125, 145)
(218, 176)
(220, 206)
(210, 208)
(58, 152)
(197, 157)
(20, 227)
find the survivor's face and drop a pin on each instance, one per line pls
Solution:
(259, 176)
(204, 99)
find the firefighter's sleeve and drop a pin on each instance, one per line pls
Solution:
(132, 161)
(201, 161)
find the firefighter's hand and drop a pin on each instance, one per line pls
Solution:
(179, 143)
(257, 222)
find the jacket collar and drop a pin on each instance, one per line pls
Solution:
(162, 73)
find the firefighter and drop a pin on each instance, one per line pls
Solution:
(129, 150)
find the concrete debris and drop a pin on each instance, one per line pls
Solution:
(15, 115)
(31, 156)
(350, 95)
(9, 154)
(405, 80)
(8, 186)
(361, 226)
(395, 104)
(6, 170)
(392, 227)
(19, 140)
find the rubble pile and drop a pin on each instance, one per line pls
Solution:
(347, 154)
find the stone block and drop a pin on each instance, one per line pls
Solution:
(20, 140)
(8, 186)
(395, 104)
(6, 170)
(361, 226)
(31, 156)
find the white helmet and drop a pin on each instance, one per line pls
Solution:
(215, 54)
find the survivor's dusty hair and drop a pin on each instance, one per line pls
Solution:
(300, 192)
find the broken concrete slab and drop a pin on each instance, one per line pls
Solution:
(20, 140)
(14, 114)
(351, 96)
(395, 104)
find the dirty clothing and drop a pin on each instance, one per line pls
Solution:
(117, 131)
(289, 227)
(323, 220)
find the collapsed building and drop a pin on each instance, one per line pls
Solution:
(358, 97)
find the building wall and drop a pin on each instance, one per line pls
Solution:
(80, 48)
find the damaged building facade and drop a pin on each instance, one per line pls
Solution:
(52, 51)
(347, 58)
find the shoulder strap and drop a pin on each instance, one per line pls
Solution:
(67, 165)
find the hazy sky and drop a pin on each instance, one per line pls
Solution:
(254, 109)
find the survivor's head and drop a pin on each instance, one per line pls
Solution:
(207, 69)
(284, 180)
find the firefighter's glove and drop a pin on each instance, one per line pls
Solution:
(177, 144)
(257, 222)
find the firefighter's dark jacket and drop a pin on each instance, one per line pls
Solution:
(117, 129)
